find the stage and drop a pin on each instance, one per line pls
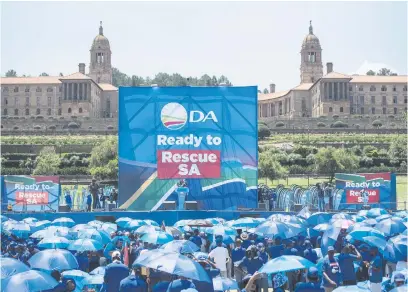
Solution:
(169, 217)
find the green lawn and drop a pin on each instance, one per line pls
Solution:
(402, 184)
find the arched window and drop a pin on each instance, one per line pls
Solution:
(330, 109)
(341, 109)
(27, 112)
(372, 88)
(383, 88)
(38, 89)
(360, 88)
(80, 110)
(38, 111)
(59, 111)
(16, 112)
(69, 110)
(49, 89)
(49, 112)
(5, 112)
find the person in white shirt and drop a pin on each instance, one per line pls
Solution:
(221, 256)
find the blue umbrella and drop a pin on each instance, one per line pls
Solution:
(180, 246)
(19, 229)
(4, 218)
(224, 284)
(341, 216)
(92, 281)
(95, 223)
(98, 235)
(358, 234)
(63, 221)
(216, 221)
(98, 271)
(29, 281)
(54, 242)
(228, 233)
(396, 249)
(10, 267)
(362, 213)
(85, 244)
(353, 288)
(321, 227)
(158, 237)
(405, 232)
(147, 229)
(51, 259)
(172, 263)
(181, 223)
(35, 226)
(244, 223)
(401, 214)
(200, 255)
(125, 239)
(375, 212)
(121, 222)
(358, 218)
(390, 226)
(370, 221)
(30, 220)
(134, 224)
(357, 226)
(319, 218)
(151, 222)
(285, 263)
(109, 227)
(76, 275)
(80, 227)
(375, 241)
(275, 228)
(383, 217)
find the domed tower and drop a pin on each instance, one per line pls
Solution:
(100, 69)
(311, 66)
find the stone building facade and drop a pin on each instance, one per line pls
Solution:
(78, 94)
(333, 93)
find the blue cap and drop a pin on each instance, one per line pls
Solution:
(399, 278)
(330, 248)
(313, 273)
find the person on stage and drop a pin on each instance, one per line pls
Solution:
(94, 189)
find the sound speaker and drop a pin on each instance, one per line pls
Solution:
(262, 206)
(169, 205)
(366, 207)
(63, 208)
(106, 218)
(191, 205)
(297, 207)
(109, 206)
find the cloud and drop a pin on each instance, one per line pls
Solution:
(367, 66)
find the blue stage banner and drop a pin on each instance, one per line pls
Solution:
(203, 138)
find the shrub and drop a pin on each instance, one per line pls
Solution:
(376, 123)
(37, 127)
(15, 171)
(73, 125)
(322, 117)
(39, 117)
(74, 117)
(357, 126)
(52, 127)
(109, 127)
(335, 117)
(311, 159)
(296, 169)
(263, 132)
(279, 124)
(321, 125)
(16, 128)
(4, 117)
(339, 124)
(367, 116)
(73, 170)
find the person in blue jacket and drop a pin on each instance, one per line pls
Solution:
(309, 253)
(180, 284)
(134, 282)
(115, 273)
(313, 284)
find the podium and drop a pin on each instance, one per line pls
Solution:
(182, 193)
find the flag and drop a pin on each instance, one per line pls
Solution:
(126, 255)
(163, 226)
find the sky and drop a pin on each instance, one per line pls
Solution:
(252, 43)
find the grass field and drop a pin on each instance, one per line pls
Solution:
(402, 184)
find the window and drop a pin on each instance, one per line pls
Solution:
(16, 89)
(394, 100)
(373, 110)
(330, 109)
(49, 112)
(80, 110)
(49, 101)
(383, 88)
(5, 112)
(360, 88)
(405, 99)
(341, 109)
(6, 101)
(49, 89)
(372, 88)
(395, 110)
(405, 88)
(373, 99)
(351, 98)
(69, 110)
(394, 88)
(350, 88)
(27, 89)
(15, 101)
(59, 100)
(312, 57)
(384, 100)
(38, 100)
(60, 89)
(27, 112)
(5, 89)
(38, 111)
(27, 103)
(16, 112)
(384, 110)
(38, 89)
(361, 99)
(362, 111)
(59, 111)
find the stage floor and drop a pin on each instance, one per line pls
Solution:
(169, 217)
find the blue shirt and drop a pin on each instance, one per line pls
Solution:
(246, 243)
(197, 240)
(161, 287)
(309, 287)
(114, 274)
(375, 270)
(310, 255)
(263, 256)
(275, 251)
(83, 262)
(133, 284)
(346, 262)
(89, 199)
(332, 270)
(237, 254)
(179, 285)
(252, 265)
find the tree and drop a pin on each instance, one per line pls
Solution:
(104, 159)
(11, 73)
(47, 162)
(385, 72)
(398, 149)
(330, 161)
(266, 91)
(270, 167)
(263, 132)
(370, 73)
(44, 74)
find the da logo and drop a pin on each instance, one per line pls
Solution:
(173, 116)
